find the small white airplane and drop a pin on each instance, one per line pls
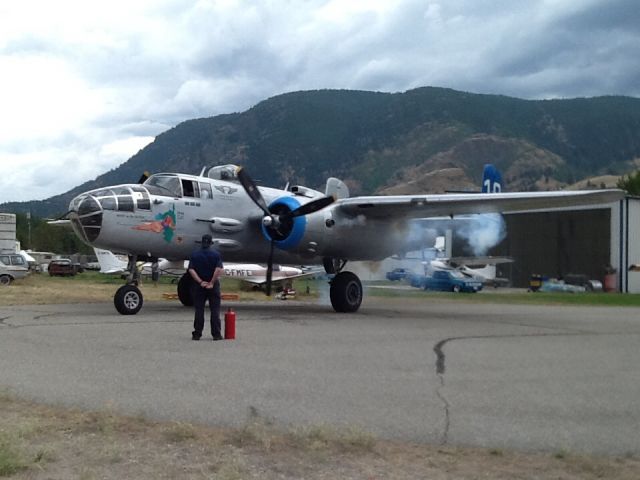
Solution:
(477, 268)
(251, 273)
(166, 216)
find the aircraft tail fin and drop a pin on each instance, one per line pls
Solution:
(491, 179)
(336, 188)
(109, 263)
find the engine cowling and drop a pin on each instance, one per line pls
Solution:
(287, 233)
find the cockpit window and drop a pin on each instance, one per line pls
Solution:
(190, 188)
(125, 203)
(205, 190)
(124, 199)
(224, 172)
(167, 185)
(106, 198)
(141, 197)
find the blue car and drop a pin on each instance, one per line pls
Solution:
(397, 274)
(447, 281)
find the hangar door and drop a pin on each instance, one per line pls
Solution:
(553, 244)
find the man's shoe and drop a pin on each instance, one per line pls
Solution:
(216, 338)
(195, 336)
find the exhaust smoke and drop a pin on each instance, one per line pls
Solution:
(483, 231)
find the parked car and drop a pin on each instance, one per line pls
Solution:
(397, 274)
(447, 281)
(12, 267)
(63, 267)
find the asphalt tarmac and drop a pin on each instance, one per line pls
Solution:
(531, 378)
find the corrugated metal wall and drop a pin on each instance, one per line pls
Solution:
(553, 243)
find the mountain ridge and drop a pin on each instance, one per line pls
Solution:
(377, 142)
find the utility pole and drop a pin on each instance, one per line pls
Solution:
(29, 227)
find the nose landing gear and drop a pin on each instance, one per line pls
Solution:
(128, 298)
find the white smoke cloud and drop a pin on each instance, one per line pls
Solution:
(483, 232)
(347, 222)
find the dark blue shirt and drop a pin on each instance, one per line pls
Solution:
(204, 262)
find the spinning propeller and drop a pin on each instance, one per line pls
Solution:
(277, 222)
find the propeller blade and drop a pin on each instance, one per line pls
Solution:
(144, 177)
(270, 269)
(310, 207)
(252, 190)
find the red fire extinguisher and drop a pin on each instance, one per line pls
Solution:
(230, 324)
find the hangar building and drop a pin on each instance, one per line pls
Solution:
(601, 242)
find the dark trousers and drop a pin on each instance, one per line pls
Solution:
(200, 297)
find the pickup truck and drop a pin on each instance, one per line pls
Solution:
(447, 281)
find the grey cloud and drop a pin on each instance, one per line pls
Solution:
(186, 60)
(611, 16)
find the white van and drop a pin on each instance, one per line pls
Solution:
(12, 266)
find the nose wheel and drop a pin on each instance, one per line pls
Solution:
(128, 300)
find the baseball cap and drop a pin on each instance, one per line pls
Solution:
(207, 240)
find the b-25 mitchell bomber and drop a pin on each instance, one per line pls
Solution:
(167, 214)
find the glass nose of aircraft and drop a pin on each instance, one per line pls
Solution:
(86, 217)
(87, 210)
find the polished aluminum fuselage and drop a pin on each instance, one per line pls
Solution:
(171, 226)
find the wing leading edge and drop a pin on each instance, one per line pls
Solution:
(420, 206)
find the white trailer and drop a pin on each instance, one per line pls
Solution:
(7, 233)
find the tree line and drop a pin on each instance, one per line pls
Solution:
(37, 235)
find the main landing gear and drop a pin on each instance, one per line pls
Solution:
(345, 287)
(128, 298)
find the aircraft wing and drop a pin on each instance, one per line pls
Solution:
(261, 280)
(110, 271)
(60, 223)
(460, 261)
(421, 206)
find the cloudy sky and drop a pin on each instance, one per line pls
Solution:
(84, 85)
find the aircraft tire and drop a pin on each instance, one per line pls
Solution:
(185, 290)
(346, 292)
(128, 300)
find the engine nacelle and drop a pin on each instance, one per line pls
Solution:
(288, 233)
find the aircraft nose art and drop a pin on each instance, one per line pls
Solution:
(86, 217)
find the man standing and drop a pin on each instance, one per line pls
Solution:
(205, 267)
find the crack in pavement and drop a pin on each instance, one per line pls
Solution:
(441, 365)
(38, 317)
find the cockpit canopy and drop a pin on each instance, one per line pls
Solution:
(224, 172)
(178, 185)
(122, 197)
(165, 184)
